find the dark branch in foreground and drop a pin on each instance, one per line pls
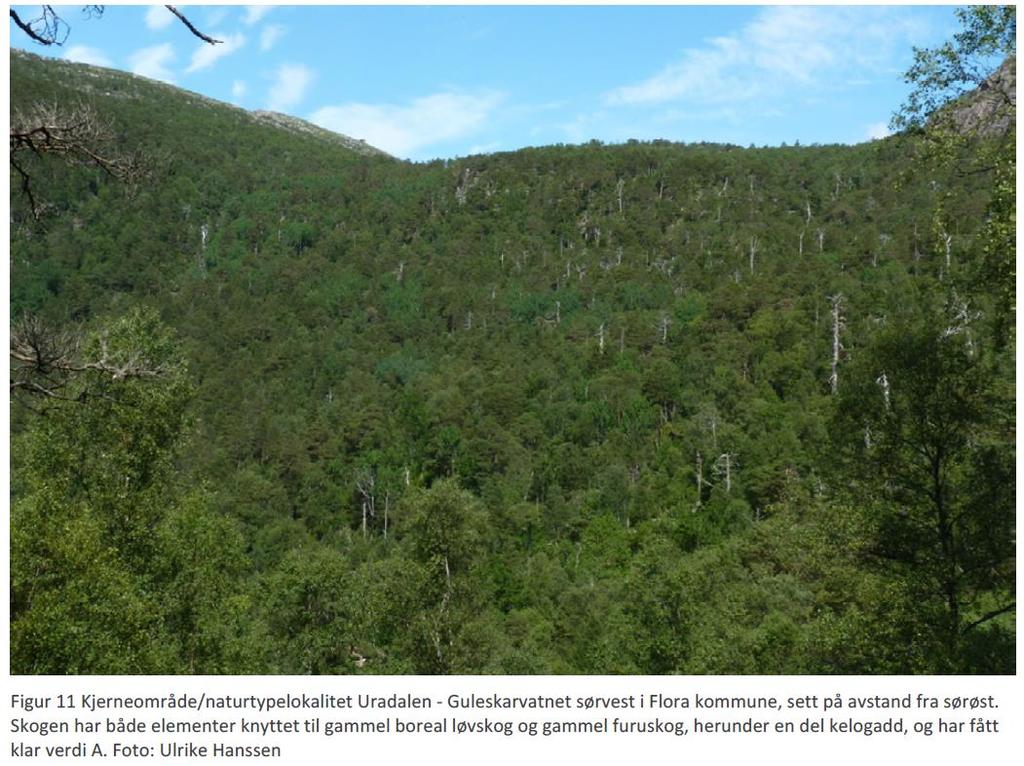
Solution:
(990, 616)
(52, 29)
(78, 136)
(191, 27)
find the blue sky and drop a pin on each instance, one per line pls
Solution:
(425, 82)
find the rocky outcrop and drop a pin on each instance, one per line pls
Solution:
(991, 109)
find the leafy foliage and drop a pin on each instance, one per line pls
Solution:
(562, 410)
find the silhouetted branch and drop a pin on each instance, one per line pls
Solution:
(191, 27)
(48, 29)
(44, 360)
(78, 136)
(51, 29)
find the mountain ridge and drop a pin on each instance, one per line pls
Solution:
(278, 120)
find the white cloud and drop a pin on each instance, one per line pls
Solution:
(405, 129)
(207, 55)
(153, 61)
(789, 46)
(703, 73)
(158, 17)
(215, 16)
(238, 89)
(253, 13)
(270, 35)
(582, 127)
(796, 42)
(289, 88)
(85, 55)
(878, 130)
(489, 148)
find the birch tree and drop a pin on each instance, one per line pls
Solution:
(937, 470)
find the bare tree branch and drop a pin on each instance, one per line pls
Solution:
(26, 189)
(45, 360)
(78, 136)
(191, 27)
(48, 29)
(75, 134)
(51, 29)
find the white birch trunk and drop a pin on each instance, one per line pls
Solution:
(837, 345)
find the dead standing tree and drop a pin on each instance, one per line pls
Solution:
(664, 322)
(838, 323)
(699, 472)
(724, 468)
(366, 484)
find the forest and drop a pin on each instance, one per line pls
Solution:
(281, 404)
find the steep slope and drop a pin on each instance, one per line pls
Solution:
(40, 75)
(467, 416)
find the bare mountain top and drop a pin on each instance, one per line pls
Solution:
(296, 125)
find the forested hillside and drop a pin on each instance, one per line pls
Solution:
(282, 405)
